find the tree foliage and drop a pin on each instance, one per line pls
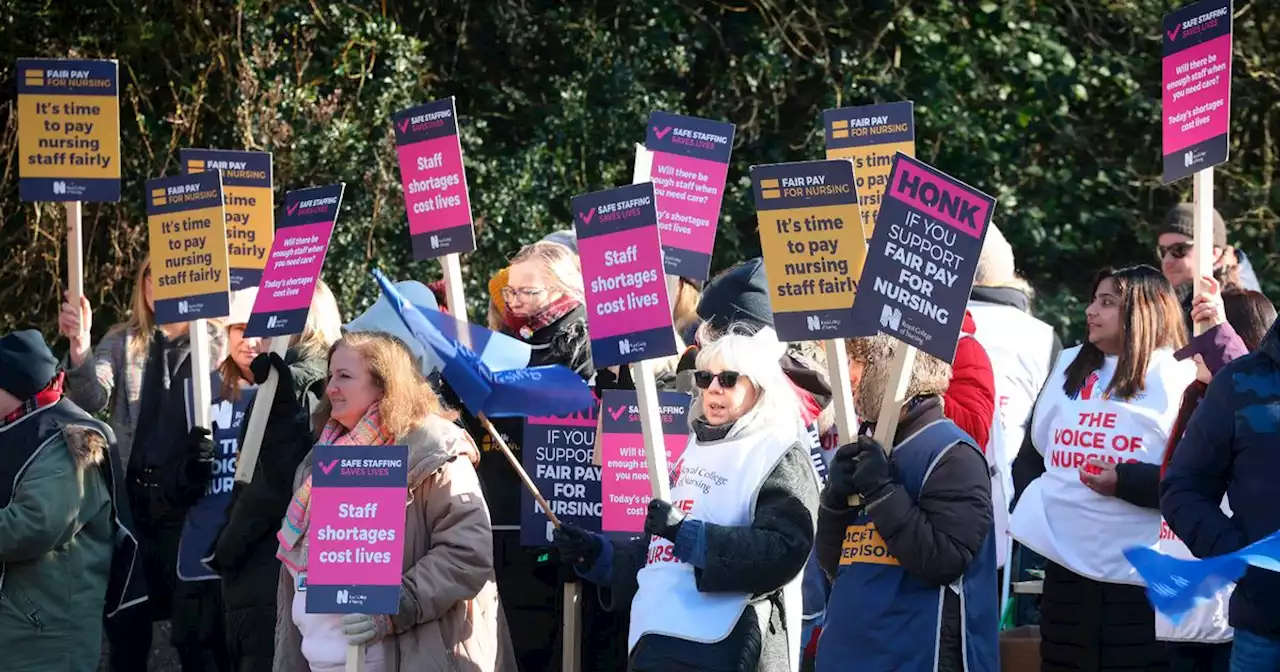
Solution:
(1052, 107)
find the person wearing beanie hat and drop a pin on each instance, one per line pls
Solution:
(566, 237)
(738, 296)
(1174, 247)
(58, 522)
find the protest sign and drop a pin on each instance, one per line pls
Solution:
(869, 136)
(296, 259)
(206, 517)
(813, 246)
(355, 554)
(557, 456)
(688, 170)
(68, 130)
(625, 487)
(922, 258)
(1196, 87)
(435, 183)
(188, 236)
(628, 310)
(248, 202)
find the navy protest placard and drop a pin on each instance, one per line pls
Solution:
(355, 542)
(1195, 101)
(557, 455)
(68, 130)
(813, 244)
(206, 517)
(922, 257)
(188, 236)
(246, 186)
(628, 311)
(296, 259)
(435, 182)
(690, 164)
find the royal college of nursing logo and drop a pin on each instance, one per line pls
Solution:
(1086, 390)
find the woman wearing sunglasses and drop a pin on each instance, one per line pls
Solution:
(716, 583)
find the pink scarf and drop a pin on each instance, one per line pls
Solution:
(293, 531)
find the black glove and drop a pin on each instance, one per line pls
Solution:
(840, 484)
(576, 545)
(284, 403)
(663, 520)
(200, 456)
(873, 473)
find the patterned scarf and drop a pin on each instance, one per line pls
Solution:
(526, 327)
(48, 396)
(293, 530)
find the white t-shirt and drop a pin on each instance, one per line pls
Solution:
(1061, 518)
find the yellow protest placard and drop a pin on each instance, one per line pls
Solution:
(188, 235)
(869, 136)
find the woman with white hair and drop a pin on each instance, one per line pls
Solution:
(717, 584)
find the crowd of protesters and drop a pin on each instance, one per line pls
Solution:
(783, 546)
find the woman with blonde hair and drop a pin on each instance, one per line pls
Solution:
(449, 609)
(137, 372)
(244, 553)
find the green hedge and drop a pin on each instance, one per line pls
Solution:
(1050, 106)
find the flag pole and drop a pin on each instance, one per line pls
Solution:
(515, 464)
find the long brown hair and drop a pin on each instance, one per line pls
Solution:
(1152, 320)
(407, 397)
(139, 327)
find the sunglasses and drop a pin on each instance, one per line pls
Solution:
(1178, 250)
(727, 379)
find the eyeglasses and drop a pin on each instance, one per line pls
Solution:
(1178, 250)
(525, 294)
(727, 379)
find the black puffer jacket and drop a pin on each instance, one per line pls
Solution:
(245, 550)
(935, 537)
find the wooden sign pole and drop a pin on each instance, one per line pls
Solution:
(247, 460)
(198, 332)
(451, 264)
(75, 254)
(1202, 241)
(895, 396)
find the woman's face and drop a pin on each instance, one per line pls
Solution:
(243, 350)
(149, 292)
(723, 405)
(528, 289)
(1103, 318)
(351, 389)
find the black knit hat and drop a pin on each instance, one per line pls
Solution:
(1181, 219)
(740, 295)
(26, 365)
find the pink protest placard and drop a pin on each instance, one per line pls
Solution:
(355, 553)
(295, 261)
(624, 478)
(435, 182)
(1196, 87)
(628, 312)
(690, 164)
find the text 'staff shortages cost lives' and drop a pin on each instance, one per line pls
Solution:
(68, 130)
(625, 489)
(1196, 87)
(811, 235)
(188, 239)
(355, 554)
(690, 164)
(557, 455)
(869, 136)
(246, 186)
(435, 183)
(296, 259)
(628, 311)
(922, 258)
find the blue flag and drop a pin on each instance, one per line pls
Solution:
(513, 392)
(1174, 586)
